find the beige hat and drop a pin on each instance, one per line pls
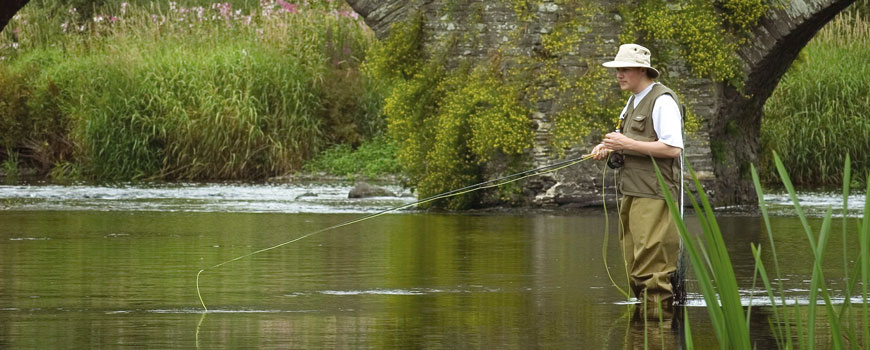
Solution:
(632, 55)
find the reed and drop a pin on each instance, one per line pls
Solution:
(816, 116)
(718, 283)
(163, 91)
(713, 269)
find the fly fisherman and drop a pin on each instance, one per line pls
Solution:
(650, 125)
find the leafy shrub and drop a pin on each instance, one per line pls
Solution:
(373, 158)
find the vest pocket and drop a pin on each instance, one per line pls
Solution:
(640, 180)
(638, 123)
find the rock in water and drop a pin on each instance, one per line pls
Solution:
(364, 190)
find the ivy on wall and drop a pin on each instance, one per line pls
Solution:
(447, 123)
(451, 121)
(705, 33)
(584, 102)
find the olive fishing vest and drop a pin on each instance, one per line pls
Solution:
(638, 176)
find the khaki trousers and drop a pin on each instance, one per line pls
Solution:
(651, 245)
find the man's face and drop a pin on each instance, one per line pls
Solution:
(630, 78)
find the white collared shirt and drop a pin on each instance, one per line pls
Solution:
(665, 116)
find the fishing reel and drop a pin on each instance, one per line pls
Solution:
(616, 160)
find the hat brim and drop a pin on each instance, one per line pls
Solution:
(622, 64)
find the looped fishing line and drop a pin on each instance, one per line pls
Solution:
(483, 185)
(607, 228)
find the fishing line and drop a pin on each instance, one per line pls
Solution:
(607, 228)
(479, 186)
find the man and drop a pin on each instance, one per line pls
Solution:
(650, 126)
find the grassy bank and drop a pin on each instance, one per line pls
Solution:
(817, 114)
(164, 91)
(372, 159)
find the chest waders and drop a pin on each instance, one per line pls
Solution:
(654, 254)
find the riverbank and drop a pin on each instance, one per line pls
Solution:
(161, 91)
(274, 90)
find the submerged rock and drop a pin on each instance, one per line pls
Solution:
(364, 190)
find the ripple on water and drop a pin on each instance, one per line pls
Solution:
(814, 204)
(757, 298)
(257, 198)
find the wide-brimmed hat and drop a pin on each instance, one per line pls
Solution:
(632, 55)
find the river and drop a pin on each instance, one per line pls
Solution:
(115, 267)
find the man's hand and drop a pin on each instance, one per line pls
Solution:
(600, 152)
(617, 141)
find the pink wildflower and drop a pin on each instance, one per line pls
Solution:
(292, 8)
(349, 14)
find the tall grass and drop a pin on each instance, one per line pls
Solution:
(171, 92)
(817, 114)
(791, 331)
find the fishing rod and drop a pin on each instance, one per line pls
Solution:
(478, 186)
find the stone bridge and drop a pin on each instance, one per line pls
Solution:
(729, 138)
(775, 42)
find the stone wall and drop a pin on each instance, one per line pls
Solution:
(731, 118)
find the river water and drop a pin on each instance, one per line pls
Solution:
(116, 266)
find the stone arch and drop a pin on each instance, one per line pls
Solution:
(9, 9)
(777, 39)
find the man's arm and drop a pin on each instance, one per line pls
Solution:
(618, 142)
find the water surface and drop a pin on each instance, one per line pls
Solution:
(115, 267)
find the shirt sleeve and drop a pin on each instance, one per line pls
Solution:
(667, 121)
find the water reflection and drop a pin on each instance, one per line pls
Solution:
(125, 278)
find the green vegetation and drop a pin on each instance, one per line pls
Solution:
(452, 117)
(447, 124)
(200, 90)
(172, 92)
(10, 165)
(373, 158)
(704, 33)
(818, 113)
(716, 278)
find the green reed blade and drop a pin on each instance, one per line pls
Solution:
(687, 330)
(865, 262)
(786, 181)
(723, 271)
(819, 281)
(728, 320)
(847, 301)
(762, 205)
(778, 323)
